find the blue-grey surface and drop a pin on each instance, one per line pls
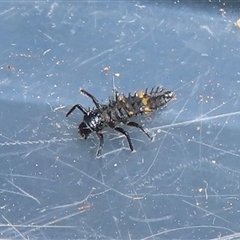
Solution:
(185, 184)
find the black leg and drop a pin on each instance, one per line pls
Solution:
(81, 108)
(126, 135)
(101, 141)
(95, 101)
(134, 124)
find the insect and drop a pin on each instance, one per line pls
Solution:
(120, 109)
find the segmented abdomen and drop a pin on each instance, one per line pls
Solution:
(141, 102)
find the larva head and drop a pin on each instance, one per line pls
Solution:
(84, 130)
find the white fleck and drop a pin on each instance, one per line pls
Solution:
(47, 51)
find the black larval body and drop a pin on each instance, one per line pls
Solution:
(120, 110)
(141, 102)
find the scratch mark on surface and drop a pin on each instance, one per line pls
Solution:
(26, 194)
